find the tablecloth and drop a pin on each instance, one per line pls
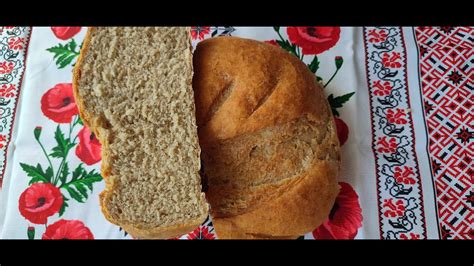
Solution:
(402, 100)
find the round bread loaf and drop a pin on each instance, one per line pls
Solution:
(270, 154)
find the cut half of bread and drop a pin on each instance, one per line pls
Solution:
(133, 90)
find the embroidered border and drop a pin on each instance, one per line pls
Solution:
(446, 58)
(399, 189)
(13, 49)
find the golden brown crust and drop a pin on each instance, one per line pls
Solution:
(273, 87)
(258, 106)
(95, 124)
(299, 210)
(145, 233)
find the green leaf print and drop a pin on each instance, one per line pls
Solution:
(64, 54)
(81, 182)
(314, 65)
(337, 102)
(37, 173)
(63, 145)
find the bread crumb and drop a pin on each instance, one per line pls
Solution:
(149, 147)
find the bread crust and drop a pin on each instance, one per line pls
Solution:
(243, 87)
(95, 124)
(304, 206)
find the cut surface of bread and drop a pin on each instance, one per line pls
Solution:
(270, 152)
(133, 89)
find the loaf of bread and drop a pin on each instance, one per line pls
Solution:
(269, 146)
(133, 90)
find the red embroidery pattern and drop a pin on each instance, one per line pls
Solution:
(377, 36)
(391, 60)
(13, 49)
(382, 89)
(393, 209)
(384, 146)
(404, 175)
(204, 231)
(399, 191)
(6, 67)
(16, 43)
(447, 75)
(199, 33)
(7, 91)
(3, 140)
(411, 236)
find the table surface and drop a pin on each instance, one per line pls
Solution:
(402, 98)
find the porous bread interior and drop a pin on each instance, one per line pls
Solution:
(135, 84)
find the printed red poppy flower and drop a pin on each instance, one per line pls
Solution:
(68, 229)
(314, 40)
(202, 232)
(345, 217)
(272, 42)
(58, 103)
(30, 232)
(198, 33)
(89, 148)
(64, 33)
(40, 201)
(342, 130)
